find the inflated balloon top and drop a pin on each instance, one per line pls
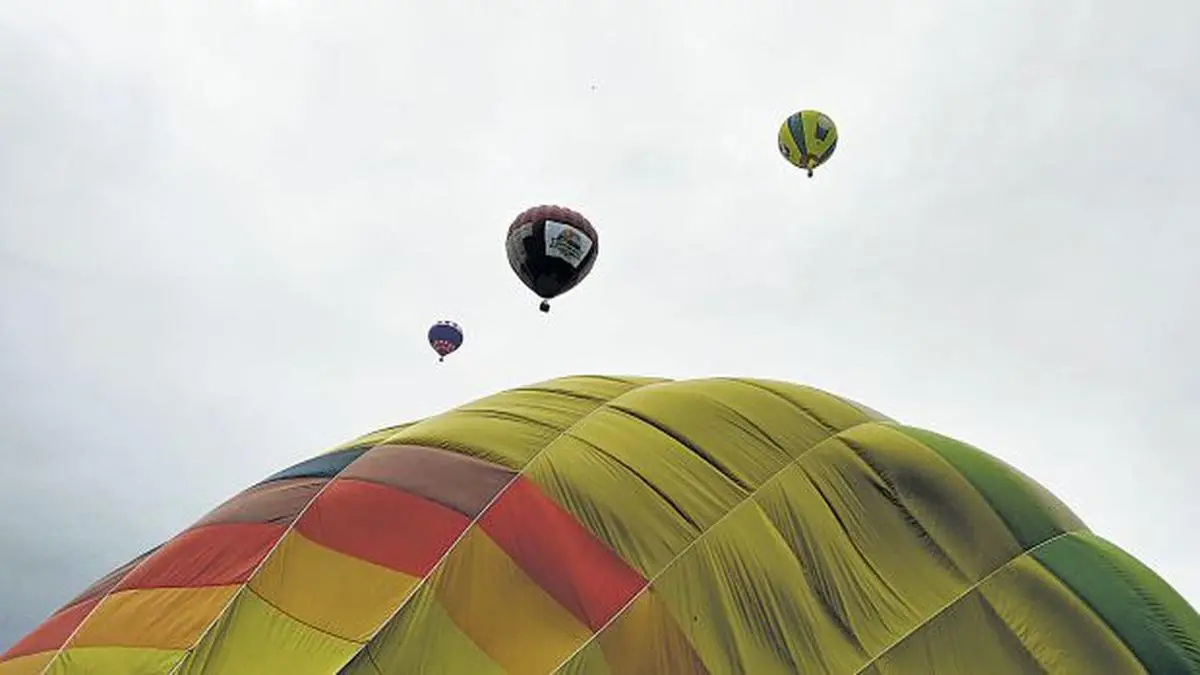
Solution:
(551, 249)
(633, 526)
(807, 139)
(445, 337)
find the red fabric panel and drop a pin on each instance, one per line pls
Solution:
(53, 632)
(382, 525)
(213, 555)
(578, 570)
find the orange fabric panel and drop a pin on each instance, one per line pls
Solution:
(30, 664)
(157, 618)
(512, 619)
(647, 640)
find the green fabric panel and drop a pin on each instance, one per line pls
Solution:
(1153, 620)
(1031, 513)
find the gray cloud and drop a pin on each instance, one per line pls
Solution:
(224, 228)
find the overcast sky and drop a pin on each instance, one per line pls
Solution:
(226, 225)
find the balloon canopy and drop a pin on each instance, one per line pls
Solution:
(807, 139)
(633, 526)
(445, 337)
(551, 249)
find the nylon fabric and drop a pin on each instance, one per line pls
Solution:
(967, 637)
(645, 639)
(254, 637)
(634, 526)
(742, 596)
(1058, 629)
(53, 632)
(423, 639)
(495, 603)
(698, 492)
(28, 664)
(124, 660)
(886, 570)
(336, 593)
(715, 431)
(1156, 624)
(582, 478)
(159, 618)
(935, 498)
(508, 429)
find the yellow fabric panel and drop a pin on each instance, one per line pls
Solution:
(768, 412)
(643, 640)
(30, 664)
(423, 639)
(374, 438)
(123, 660)
(337, 593)
(816, 404)
(581, 478)
(743, 597)
(254, 637)
(155, 618)
(734, 442)
(596, 387)
(876, 574)
(684, 479)
(641, 527)
(508, 429)
(590, 661)
(1061, 632)
(502, 610)
(967, 637)
(926, 486)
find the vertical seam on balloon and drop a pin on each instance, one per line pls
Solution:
(749, 498)
(478, 517)
(955, 600)
(71, 636)
(258, 568)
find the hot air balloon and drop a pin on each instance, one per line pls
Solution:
(633, 526)
(445, 337)
(807, 139)
(551, 249)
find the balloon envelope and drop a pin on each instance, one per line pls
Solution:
(551, 249)
(807, 139)
(445, 337)
(635, 526)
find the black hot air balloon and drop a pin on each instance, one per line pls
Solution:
(552, 249)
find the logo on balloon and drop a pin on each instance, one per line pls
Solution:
(566, 242)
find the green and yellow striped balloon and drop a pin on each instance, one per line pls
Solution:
(807, 139)
(632, 526)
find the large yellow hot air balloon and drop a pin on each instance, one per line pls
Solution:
(633, 526)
